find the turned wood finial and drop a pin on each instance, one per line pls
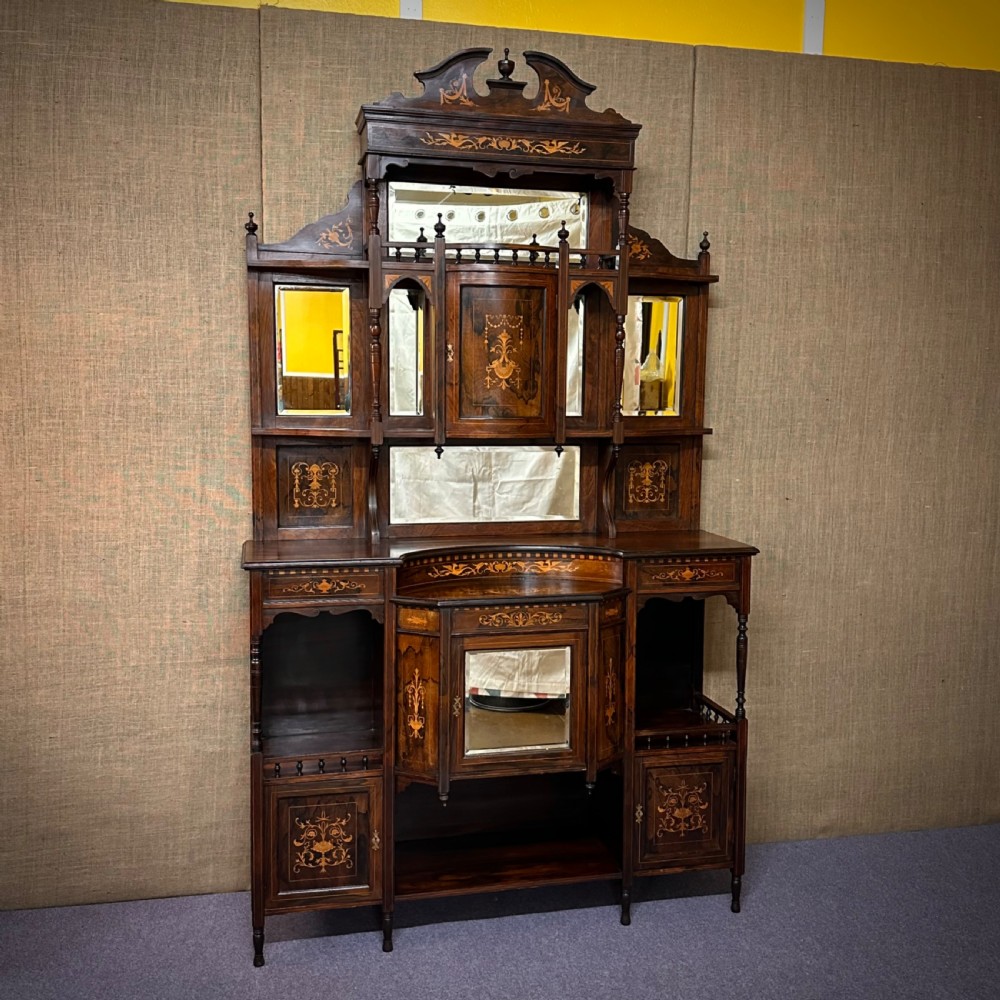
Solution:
(251, 226)
(704, 246)
(439, 226)
(563, 233)
(506, 65)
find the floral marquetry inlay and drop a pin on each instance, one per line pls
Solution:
(691, 574)
(638, 249)
(504, 144)
(553, 98)
(314, 485)
(415, 698)
(681, 809)
(610, 698)
(503, 371)
(323, 586)
(648, 482)
(322, 843)
(457, 92)
(337, 236)
(500, 567)
(519, 619)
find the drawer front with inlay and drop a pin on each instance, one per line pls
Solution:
(508, 618)
(688, 574)
(296, 585)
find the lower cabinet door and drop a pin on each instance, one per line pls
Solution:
(684, 811)
(323, 843)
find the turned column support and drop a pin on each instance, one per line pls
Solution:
(741, 666)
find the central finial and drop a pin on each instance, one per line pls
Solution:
(506, 65)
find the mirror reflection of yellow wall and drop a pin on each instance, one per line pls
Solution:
(653, 340)
(307, 318)
(663, 328)
(313, 349)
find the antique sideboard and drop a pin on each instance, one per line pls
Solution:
(477, 574)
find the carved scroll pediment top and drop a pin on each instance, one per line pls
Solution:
(449, 86)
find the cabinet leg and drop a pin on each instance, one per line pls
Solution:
(737, 885)
(386, 931)
(258, 947)
(626, 917)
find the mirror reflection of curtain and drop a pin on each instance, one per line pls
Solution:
(519, 673)
(474, 484)
(486, 215)
(406, 351)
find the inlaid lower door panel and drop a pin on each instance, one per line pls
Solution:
(324, 842)
(684, 811)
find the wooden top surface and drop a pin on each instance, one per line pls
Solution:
(393, 552)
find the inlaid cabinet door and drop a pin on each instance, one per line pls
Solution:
(501, 358)
(324, 842)
(684, 810)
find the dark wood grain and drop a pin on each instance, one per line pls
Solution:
(363, 790)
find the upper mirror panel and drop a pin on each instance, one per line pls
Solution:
(313, 349)
(485, 214)
(654, 330)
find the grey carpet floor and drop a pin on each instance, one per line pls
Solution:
(909, 916)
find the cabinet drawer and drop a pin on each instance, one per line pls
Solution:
(324, 841)
(313, 584)
(510, 619)
(688, 574)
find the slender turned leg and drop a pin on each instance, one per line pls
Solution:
(626, 906)
(258, 947)
(737, 885)
(386, 931)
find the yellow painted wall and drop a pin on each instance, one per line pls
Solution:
(748, 24)
(965, 33)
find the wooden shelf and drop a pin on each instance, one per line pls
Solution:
(457, 865)
(315, 733)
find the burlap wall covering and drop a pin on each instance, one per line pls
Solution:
(853, 388)
(854, 365)
(131, 155)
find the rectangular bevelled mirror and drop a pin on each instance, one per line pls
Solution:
(654, 331)
(313, 349)
(517, 699)
(476, 484)
(486, 214)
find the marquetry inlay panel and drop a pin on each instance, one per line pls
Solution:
(314, 487)
(321, 833)
(687, 807)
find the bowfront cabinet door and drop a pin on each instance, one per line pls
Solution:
(519, 703)
(684, 814)
(324, 842)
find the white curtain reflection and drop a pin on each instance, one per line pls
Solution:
(472, 484)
